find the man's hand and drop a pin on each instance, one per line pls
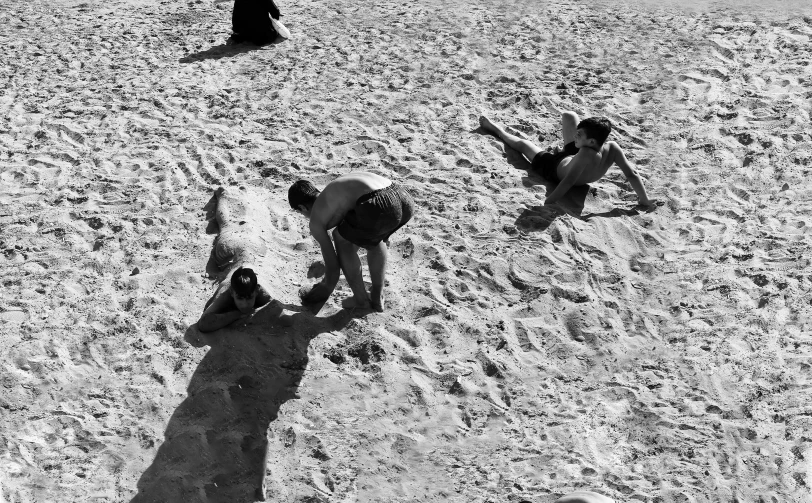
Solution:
(649, 205)
(317, 293)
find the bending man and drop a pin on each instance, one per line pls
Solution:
(363, 209)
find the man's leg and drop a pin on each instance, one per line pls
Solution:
(351, 266)
(569, 125)
(527, 148)
(377, 258)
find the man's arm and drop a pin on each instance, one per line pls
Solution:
(635, 181)
(576, 167)
(220, 313)
(328, 253)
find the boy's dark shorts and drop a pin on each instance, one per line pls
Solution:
(376, 216)
(546, 164)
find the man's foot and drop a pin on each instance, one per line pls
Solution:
(353, 303)
(376, 301)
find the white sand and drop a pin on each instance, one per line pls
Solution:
(653, 357)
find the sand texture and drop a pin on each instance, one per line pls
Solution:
(526, 352)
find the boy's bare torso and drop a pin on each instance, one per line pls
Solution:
(596, 163)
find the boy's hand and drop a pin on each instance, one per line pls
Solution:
(247, 317)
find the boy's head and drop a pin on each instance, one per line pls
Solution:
(244, 289)
(597, 129)
(302, 195)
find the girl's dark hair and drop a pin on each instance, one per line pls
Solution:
(302, 193)
(597, 128)
(244, 282)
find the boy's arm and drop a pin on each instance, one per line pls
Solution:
(576, 167)
(263, 298)
(219, 314)
(636, 182)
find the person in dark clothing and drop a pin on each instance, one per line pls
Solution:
(250, 21)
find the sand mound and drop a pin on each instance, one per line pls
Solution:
(241, 222)
(528, 352)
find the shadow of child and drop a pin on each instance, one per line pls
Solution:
(215, 444)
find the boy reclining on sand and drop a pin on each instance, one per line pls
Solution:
(584, 159)
(239, 299)
(364, 210)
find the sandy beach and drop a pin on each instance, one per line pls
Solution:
(526, 351)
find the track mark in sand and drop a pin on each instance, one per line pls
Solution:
(192, 175)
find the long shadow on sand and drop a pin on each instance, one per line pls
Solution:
(215, 444)
(226, 51)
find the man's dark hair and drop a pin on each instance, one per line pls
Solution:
(244, 282)
(597, 128)
(302, 193)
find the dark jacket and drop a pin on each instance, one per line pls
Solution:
(250, 20)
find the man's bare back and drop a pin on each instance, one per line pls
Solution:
(340, 196)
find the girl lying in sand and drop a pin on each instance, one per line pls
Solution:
(584, 159)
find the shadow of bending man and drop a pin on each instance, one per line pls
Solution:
(215, 446)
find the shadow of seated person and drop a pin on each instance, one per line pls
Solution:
(216, 447)
(225, 50)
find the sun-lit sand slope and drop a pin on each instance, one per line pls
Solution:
(525, 353)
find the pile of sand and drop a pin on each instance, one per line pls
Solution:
(526, 352)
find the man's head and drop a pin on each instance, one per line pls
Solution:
(593, 132)
(244, 289)
(302, 195)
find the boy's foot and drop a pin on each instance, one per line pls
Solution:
(489, 126)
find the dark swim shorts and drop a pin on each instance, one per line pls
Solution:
(546, 163)
(376, 216)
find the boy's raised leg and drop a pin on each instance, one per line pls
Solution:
(527, 148)
(569, 125)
